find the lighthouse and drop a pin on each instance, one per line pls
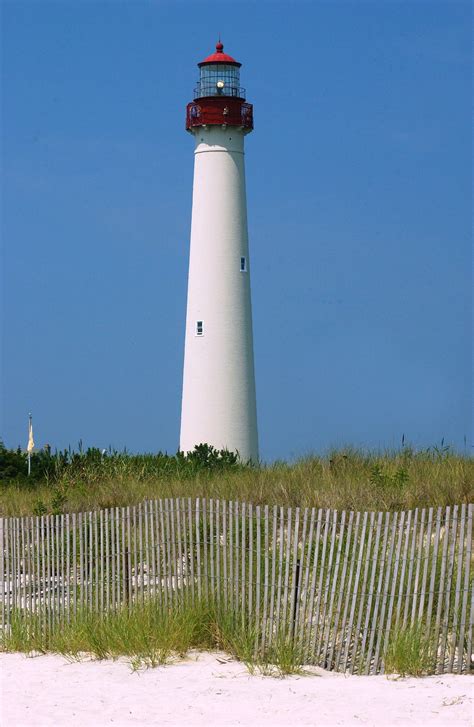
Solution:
(219, 402)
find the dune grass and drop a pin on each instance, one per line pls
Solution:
(409, 652)
(148, 637)
(344, 479)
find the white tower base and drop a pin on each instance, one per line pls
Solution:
(219, 403)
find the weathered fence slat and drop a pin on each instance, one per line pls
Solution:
(47, 585)
(388, 573)
(306, 567)
(373, 619)
(175, 579)
(425, 564)
(39, 567)
(266, 576)
(469, 633)
(218, 552)
(205, 550)
(344, 593)
(326, 654)
(118, 547)
(22, 562)
(250, 556)
(27, 565)
(404, 561)
(353, 596)
(465, 596)
(3, 575)
(74, 560)
(313, 632)
(230, 587)
(191, 546)
(391, 601)
(370, 592)
(281, 546)
(151, 574)
(224, 553)
(185, 564)
(14, 564)
(211, 548)
(101, 564)
(446, 596)
(299, 597)
(287, 571)
(252, 564)
(160, 554)
(444, 559)
(295, 574)
(58, 574)
(271, 617)
(258, 557)
(244, 558)
(96, 561)
(198, 550)
(171, 564)
(236, 602)
(145, 564)
(434, 562)
(327, 588)
(11, 566)
(411, 558)
(340, 590)
(164, 557)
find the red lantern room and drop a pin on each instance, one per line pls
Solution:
(219, 100)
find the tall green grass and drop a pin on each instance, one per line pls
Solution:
(410, 652)
(149, 636)
(343, 479)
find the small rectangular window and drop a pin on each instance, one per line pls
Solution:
(243, 264)
(199, 328)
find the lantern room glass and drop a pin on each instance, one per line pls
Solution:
(219, 79)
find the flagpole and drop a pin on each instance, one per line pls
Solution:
(29, 451)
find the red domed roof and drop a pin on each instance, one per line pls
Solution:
(220, 57)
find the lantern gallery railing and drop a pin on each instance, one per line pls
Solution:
(219, 111)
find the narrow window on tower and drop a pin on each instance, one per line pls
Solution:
(199, 328)
(243, 264)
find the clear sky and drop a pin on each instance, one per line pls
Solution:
(359, 198)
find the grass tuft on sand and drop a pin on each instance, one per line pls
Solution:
(151, 637)
(409, 652)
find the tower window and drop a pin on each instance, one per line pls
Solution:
(199, 328)
(243, 264)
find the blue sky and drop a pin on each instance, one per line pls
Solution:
(359, 197)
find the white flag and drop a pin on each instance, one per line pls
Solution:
(31, 441)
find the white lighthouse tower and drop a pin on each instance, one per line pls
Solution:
(219, 406)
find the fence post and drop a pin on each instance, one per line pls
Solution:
(295, 602)
(2, 577)
(126, 574)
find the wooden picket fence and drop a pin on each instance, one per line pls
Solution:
(338, 584)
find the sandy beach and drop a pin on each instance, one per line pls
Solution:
(210, 689)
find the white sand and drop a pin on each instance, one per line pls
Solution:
(203, 691)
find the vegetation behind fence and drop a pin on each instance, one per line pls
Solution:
(338, 586)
